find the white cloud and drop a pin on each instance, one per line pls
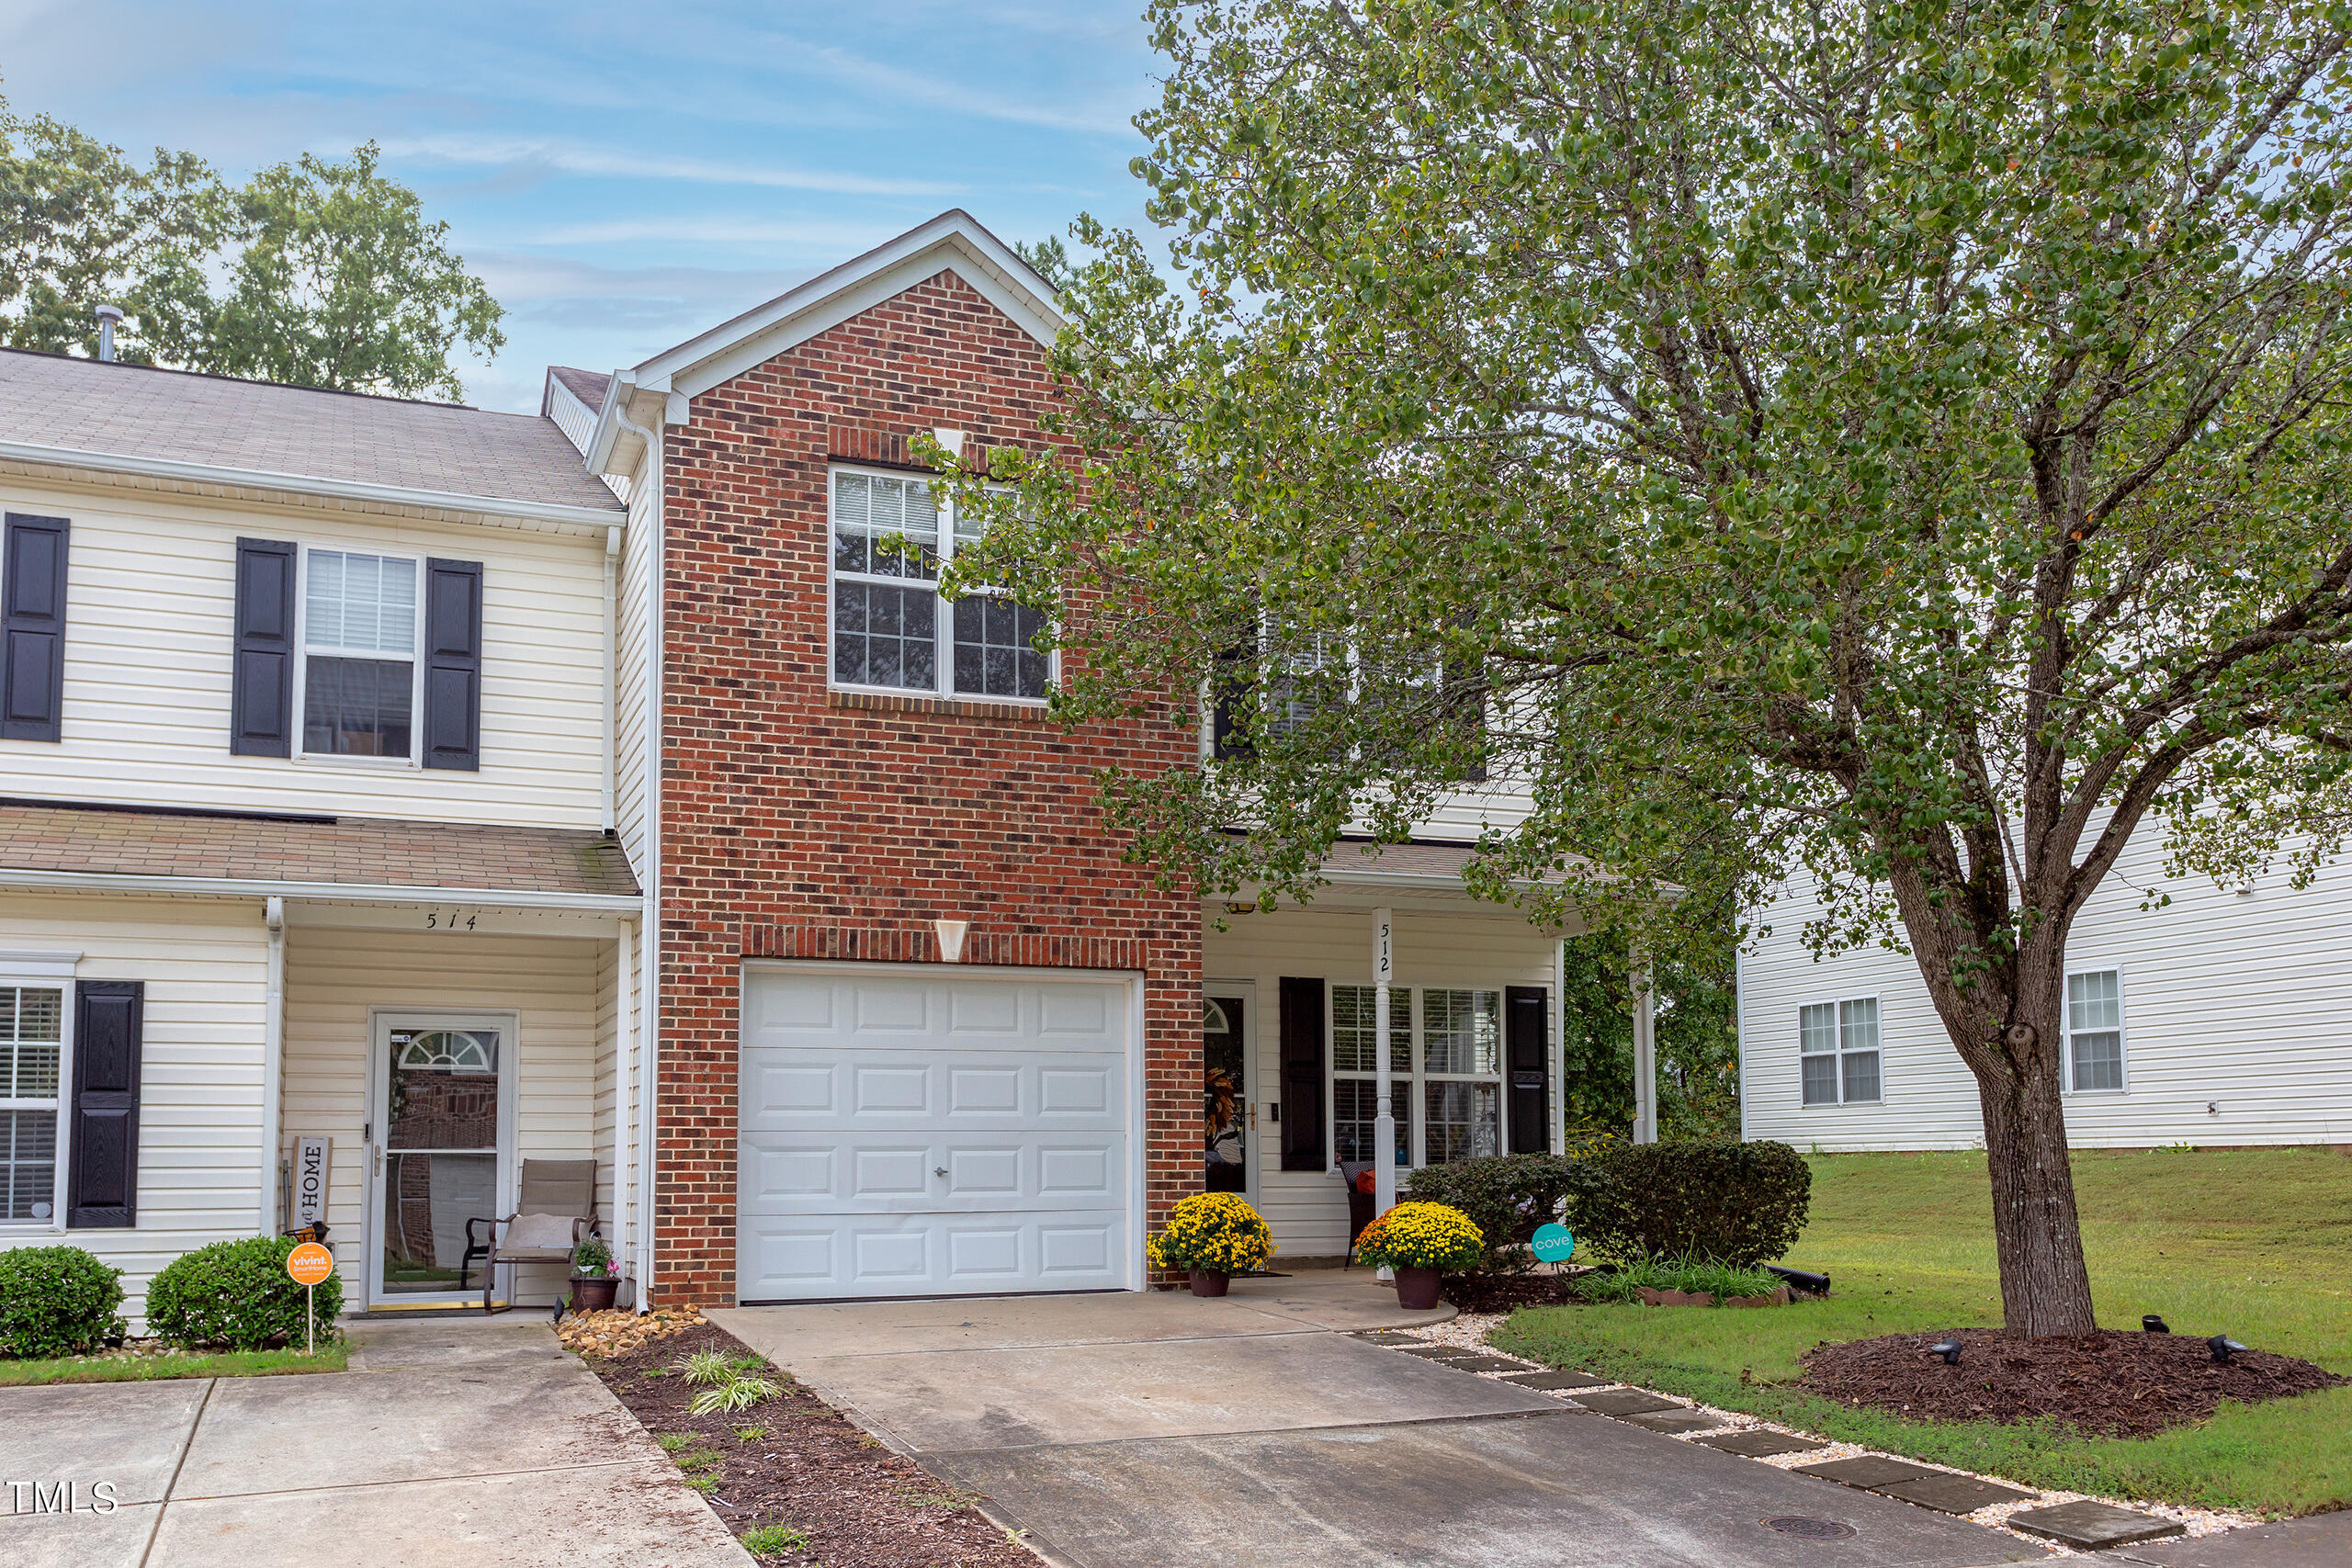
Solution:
(1046, 112)
(820, 238)
(503, 152)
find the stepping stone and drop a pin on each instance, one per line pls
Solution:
(1489, 1364)
(1553, 1381)
(1757, 1443)
(1869, 1469)
(1624, 1402)
(1389, 1337)
(2091, 1525)
(1436, 1352)
(1948, 1494)
(1673, 1421)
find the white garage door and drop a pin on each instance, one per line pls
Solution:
(908, 1135)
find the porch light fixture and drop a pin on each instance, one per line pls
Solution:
(2152, 1323)
(1949, 1349)
(2223, 1347)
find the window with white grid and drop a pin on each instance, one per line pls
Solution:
(1446, 1095)
(891, 630)
(32, 1065)
(1837, 1052)
(2094, 1032)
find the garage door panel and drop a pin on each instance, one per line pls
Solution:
(859, 1092)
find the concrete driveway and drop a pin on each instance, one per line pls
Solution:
(1159, 1429)
(467, 1443)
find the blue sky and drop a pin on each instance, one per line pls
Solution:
(623, 177)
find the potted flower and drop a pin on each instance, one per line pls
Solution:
(595, 1275)
(1213, 1236)
(1420, 1241)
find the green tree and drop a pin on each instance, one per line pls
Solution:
(1897, 444)
(322, 273)
(1697, 1039)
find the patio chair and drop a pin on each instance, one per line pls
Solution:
(1352, 1172)
(558, 1207)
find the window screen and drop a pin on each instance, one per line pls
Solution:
(1837, 1052)
(2094, 1029)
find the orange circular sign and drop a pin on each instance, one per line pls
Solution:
(310, 1263)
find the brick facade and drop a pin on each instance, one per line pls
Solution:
(798, 822)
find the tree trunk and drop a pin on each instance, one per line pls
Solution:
(2045, 1286)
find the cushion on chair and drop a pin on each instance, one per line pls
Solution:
(537, 1236)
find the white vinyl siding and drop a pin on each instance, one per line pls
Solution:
(1309, 1210)
(204, 964)
(2235, 1018)
(2094, 1032)
(150, 641)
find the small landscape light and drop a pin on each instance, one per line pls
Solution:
(2152, 1323)
(2223, 1347)
(1949, 1349)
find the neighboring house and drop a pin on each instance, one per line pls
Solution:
(362, 753)
(305, 784)
(2219, 1018)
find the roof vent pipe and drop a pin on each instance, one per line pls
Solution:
(108, 316)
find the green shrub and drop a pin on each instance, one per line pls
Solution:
(237, 1293)
(1717, 1200)
(57, 1301)
(1505, 1196)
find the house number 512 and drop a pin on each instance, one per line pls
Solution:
(450, 920)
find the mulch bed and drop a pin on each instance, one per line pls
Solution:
(2113, 1383)
(1501, 1292)
(861, 1505)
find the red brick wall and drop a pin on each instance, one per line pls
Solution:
(797, 822)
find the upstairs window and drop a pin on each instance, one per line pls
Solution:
(1837, 1052)
(359, 636)
(891, 630)
(2094, 1032)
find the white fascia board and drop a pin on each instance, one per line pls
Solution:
(165, 468)
(952, 240)
(346, 892)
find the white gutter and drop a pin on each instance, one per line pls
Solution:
(303, 484)
(649, 876)
(273, 1058)
(347, 892)
(612, 674)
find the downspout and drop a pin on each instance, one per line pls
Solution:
(273, 1049)
(612, 674)
(648, 930)
(1557, 1018)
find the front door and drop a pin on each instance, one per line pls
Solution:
(440, 1111)
(1225, 1116)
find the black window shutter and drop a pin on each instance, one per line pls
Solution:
(453, 664)
(1527, 1041)
(1303, 1145)
(260, 693)
(32, 629)
(102, 1189)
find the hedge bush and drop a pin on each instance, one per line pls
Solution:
(57, 1301)
(237, 1293)
(1505, 1196)
(1713, 1198)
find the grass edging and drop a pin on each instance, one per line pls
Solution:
(164, 1366)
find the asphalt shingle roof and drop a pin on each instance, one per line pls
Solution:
(588, 386)
(135, 410)
(358, 850)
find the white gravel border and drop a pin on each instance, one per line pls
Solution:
(1473, 1331)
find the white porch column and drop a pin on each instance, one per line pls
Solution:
(273, 1063)
(1645, 1056)
(1384, 1121)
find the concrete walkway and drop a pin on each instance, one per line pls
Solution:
(1127, 1430)
(470, 1444)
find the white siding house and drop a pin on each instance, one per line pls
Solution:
(2224, 1018)
(304, 797)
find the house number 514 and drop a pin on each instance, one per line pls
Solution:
(450, 920)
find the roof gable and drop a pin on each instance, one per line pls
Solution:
(952, 241)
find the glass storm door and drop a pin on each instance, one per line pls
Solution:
(1224, 1119)
(437, 1157)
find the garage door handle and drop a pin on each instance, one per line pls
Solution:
(938, 1170)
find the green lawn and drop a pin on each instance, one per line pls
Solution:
(172, 1364)
(2256, 1242)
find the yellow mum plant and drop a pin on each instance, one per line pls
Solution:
(1215, 1230)
(1422, 1236)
